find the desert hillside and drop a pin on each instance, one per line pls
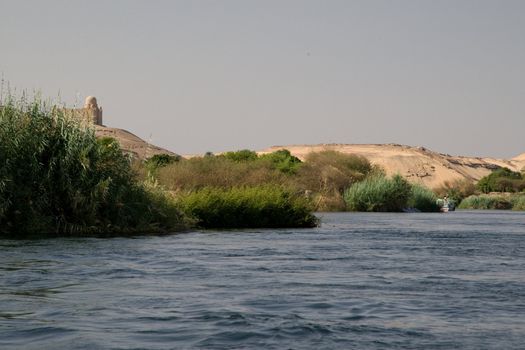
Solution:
(130, 143)
(520, 158)
(417, 164)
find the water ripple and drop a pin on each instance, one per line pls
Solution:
(363, 281)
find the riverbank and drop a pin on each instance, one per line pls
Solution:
(58, 179)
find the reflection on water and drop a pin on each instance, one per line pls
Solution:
(364, 281)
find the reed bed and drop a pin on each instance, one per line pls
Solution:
(247, 207)
(56, 178)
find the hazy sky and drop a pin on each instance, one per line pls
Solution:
(197, 76)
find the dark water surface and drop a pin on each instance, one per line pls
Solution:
(360, 281)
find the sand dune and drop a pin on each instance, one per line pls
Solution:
(417, 164)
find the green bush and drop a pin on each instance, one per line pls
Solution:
(518, 202)
(283, 161)
(379, 194)
(244, 155)
(502, 180)
(56, 178)
(423, 199)
(200, 172)
(485, 201)
(324, 175)
(328, 174)
(161, 160)
(456, 190)
(237, 207)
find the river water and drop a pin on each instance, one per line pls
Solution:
(360, 281)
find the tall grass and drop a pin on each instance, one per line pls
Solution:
(57, 178)
(423, 199)
(327, 174)
(324, 175)
(212, 171)
(518, 202)
(237, 207)
(379, 194)
(515, 201)
(486, 201)
(456, 190)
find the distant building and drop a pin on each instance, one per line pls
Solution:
(91, 114)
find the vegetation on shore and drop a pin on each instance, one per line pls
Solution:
(57, 178)
(514, 201)
(322, 177)
(238, 207)
(502, 189)
(382, 194)
(502, 180)
(333, 181)
(456, 190)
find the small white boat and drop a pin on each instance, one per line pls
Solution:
(446, 205)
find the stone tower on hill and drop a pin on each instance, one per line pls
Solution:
(91, 112)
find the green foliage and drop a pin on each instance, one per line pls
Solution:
(161, 160)
(518, 202)
(56, 178)
(379, 194)
(502, 180)
(328, 174)
(260, 206)
(324, 175)
(423, 199)
(244, 155)
(494, 201)
(456, 190)
(283, 161)
(200, 172)
(485, 201)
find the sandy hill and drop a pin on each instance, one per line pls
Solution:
(131, 143)
(520, 158)
(417, 164)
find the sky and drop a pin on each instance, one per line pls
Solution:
(197, 76)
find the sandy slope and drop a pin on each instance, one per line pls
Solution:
(131, 143)
(415, 163)
(520, 158)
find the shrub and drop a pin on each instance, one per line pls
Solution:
(456, 190)
(244, 155)
(324, 175)
(485, 201)
(56, 178)
(329, 172)
(200, 172)
(379, 194)
(261, 206)
(518, 202)
(423, 199)
(161, 160)
(501, 180)
(283, 161)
